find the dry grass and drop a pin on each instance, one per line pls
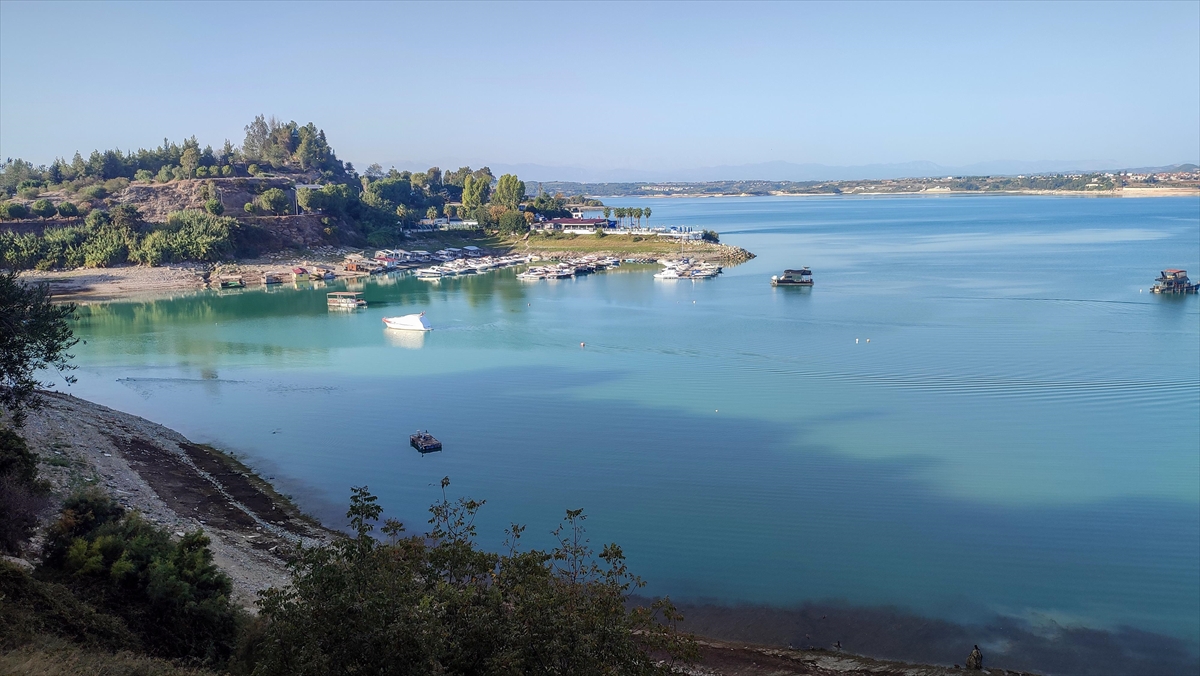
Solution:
(66, 660)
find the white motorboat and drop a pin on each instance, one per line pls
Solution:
(431, 273)
(408, 323)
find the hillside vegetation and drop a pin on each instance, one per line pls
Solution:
(181, 201)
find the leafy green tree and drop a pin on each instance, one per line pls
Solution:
(227, 170)
(34, 338)
(513, 222)
(214, 207)
(510, 191)
(143, 175)
(189, 161)
(248, 207)
(43, 208)
(202, 171)
(274, 201)
(476, 192)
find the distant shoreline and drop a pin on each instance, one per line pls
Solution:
(1127, 192)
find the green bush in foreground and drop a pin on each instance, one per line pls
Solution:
(168, 593)
(438, 604)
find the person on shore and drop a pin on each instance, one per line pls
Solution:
(975, 660)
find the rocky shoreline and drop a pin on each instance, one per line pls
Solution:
(173, 483)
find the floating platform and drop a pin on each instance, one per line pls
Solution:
(424, 442)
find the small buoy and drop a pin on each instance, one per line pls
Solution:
(856, 341)
(868, 340)
(693, 302)
(716, 410)
(582, 344)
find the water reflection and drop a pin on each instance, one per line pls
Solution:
(409, 340)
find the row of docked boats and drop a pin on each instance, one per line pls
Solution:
(686, 268)
(469, 266)
(572, 267)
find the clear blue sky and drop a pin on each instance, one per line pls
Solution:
(646, 86)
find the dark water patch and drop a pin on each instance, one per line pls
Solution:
(1042, 646)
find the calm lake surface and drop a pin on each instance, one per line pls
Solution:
(1021, 435)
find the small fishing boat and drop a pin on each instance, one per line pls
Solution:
(801, 277)
(231, 282)
(344, 300)
(1172, 281)
(424, 442)
(415, 322)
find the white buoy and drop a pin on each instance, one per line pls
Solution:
(582, 344)
(856, 341)
(868, 340)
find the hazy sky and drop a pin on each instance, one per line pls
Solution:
(617, 85)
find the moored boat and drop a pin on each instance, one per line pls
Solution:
(231, 281)
(1174, 280)
(414, 322)
(801, 277)
(345, 300)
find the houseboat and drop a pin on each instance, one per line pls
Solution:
(274, 277)
(299, 274)
(1174, 281)
(801, 277)
(415, 322)
(424, 442)
(231, 282)
(345, 300)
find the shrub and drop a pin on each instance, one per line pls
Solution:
(274, 201)
(168, 593)
(29, 192)
(164, 174)
(248, 207)
(33, 610)
(710, 236)
(94, 192)
(68, 210)
(21, 497)
(227, 170)
(202, 172)
(214, 207)
(143, 175)
(20, 252)
(361, 606)
(116, 185)
(13, 210)
(252, 170)
(43, 208)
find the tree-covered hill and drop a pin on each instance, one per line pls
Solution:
(102, 211)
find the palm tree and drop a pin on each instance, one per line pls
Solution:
(607, 212)
(647, 217)
(638, 213)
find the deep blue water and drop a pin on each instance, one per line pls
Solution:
(1020, 436)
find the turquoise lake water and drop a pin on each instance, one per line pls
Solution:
(1020, 436)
